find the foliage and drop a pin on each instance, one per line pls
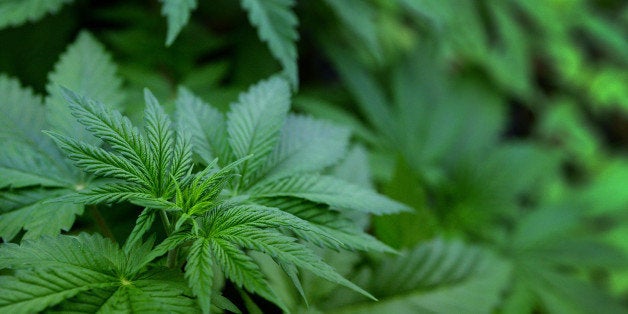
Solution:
(494, 131)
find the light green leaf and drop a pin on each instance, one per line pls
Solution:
(255, 121)
(276, 25)
(18, 12)
(306, 145)
(87, 69)
(328, 190)
(205, 124)
(178, 14)
(199, 273)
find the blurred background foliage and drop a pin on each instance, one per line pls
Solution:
(503, 123)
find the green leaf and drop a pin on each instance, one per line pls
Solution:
(87, 69)
(31, 210)
(360, 17)
(338, 231)
(306, 145)
(438, 277)
(178, 14)
(255, 121)
(33, 291)
(328, 190)
(160, 142)
(143, 223)
(90, 273)
(27, 154)
(284, 248)
(199, 273)
(18, 12)
(205, 124)
(241, 269)
(276, 25)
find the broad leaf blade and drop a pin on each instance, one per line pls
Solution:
(276, 25)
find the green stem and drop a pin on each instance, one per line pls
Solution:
(171, 262)
(165, 221)
(172, 254)
(100, 222)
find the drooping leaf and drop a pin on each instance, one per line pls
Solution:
(18, 12)
(87, 69)
(178, 14)
(276, 25)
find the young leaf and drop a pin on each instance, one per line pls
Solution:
(178, 14)
(18, 12)
(328, 190)
(87, 69)
(254, 123)
(276, 25)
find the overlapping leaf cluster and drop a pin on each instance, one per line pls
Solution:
(261, 188)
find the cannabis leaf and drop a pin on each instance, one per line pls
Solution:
(437, 276)
(146, 166)
(178, 14)
(18, 12)
(30, 161)
(91, 274)
(85, 55)
(276, 25)
(223, 234)
(212, 211)
(288, 153)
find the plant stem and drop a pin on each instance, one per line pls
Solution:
(172, 254)
(100, 222)
(171, 262)
(165, 221)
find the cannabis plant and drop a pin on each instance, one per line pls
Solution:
(223, 188)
